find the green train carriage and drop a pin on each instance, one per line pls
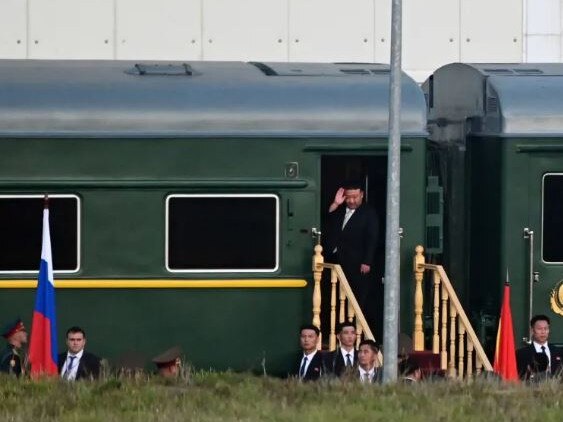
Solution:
(183, 196)
(496, 133)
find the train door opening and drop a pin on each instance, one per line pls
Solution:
(371, 172)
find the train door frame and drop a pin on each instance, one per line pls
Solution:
(372, 170)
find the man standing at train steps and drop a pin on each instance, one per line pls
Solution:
(352, 238)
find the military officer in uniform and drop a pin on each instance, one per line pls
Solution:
(168, 363)
(12, 357)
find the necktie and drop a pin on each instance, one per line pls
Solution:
(347, 216)
(548, 360)
(348, 360)
(303, 366)
(69, 367)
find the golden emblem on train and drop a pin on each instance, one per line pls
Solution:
(557, 298)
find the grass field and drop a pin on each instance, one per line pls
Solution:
(241, 397)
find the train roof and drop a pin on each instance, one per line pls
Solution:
(125, 98)
(498, 99)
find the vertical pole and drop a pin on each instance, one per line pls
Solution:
(418, 334)
(392, 257)
(318, 261)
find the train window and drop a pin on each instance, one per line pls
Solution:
(21, 221)
(220, 233)
(552, 232)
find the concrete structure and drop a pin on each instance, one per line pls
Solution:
(435, 31)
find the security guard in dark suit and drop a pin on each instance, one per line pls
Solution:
(12, 357)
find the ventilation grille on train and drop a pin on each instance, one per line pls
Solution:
(157, 69)
(492, 105)
(516, 71)
(434, 216)
(334, 72)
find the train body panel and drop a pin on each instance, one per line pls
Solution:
(504, 125)
(137, 279)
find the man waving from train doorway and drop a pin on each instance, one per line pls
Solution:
(352, 238)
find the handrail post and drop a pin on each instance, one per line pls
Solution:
(418, 334)
(461, 349)
(451, 365)
(359, 333)
(436, 336)
(469, 358)
(318, 261)
(444, 333)
(332, 338)
(342, 307)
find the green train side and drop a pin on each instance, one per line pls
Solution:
(160, 162)
(496, 145)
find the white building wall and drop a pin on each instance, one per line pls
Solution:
(435, 31)
(542, 31)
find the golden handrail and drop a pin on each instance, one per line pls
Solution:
(459, 338)
(345, 293)
(344, 285)
(476, 344)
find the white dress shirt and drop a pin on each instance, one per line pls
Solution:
(344, 353)
(366, 376)
(309, 357)
(349, 213)
(71, 375)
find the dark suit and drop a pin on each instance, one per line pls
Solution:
(335, 364)
(356, 245)
(525, 360)
(315, 370)
(88, 367)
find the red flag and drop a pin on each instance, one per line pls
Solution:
(505, 354)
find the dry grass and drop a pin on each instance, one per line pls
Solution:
(241, 397)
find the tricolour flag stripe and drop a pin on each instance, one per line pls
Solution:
(43, 345)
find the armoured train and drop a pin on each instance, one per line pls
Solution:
(184, 196)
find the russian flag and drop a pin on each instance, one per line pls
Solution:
(43, 344)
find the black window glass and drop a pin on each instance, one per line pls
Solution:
(21, 227)
(219, 233)
(553, 218)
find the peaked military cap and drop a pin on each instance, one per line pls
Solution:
(12, 328)
(168, 357)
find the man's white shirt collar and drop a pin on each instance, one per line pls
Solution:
(369, 373)
(538, 347)
(309, 357)
(74, 369)
(351, 353)
(78, 355)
